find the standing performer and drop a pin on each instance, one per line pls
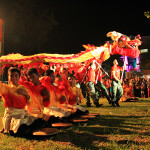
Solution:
(99, 83)
(80, 76)
(91, 86)
(117, 90)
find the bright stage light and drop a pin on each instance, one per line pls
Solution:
(144, 50)
(147, 14)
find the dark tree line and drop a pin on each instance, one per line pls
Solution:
(28, 24)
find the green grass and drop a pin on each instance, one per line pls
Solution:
(126, 127)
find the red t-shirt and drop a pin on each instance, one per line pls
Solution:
(42, 89)
(36, 90)
(91, 75)
(11, 98)
(99, 75)
(117, 70)
(80, 74)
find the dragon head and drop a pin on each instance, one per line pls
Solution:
(123, 45)
(126, 42)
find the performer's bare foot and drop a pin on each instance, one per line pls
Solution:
(6, 132)
(2, 131)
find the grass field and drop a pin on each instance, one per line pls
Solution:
(126, 127)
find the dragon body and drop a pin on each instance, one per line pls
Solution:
(122, 45)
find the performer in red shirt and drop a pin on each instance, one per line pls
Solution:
(15, 98)
(91, 86)
(99, 83)
(40, 97)
(33, 76)
(81, 77)
(57, 97)
(117, 90)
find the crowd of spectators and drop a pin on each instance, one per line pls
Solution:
(134, 88)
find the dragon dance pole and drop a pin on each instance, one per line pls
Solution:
(101, 68)
(123, 69)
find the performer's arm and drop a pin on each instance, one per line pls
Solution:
(23, 92)
(80, 95)
(45, 93)
(4, 88)
(104, 75)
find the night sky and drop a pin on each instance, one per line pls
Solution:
(63, 26)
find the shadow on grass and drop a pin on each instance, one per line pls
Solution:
(145, 101)
(91, 137)
(116, 121)
(131, 142)
(82, 140)
(96, 131)
(106, 130)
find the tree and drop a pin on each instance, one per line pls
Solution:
(28, 24)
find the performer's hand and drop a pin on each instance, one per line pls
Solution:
(120, 81)
(78, 99)
(23, 92)
(63, 98)
(45, 94)
(85, 82)
(107, 74)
